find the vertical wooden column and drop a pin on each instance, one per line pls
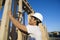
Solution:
(13, 32)
(20, 10)
(5, 21)
(44, 32)
(1, 3)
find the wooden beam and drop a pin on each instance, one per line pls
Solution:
(20, 10)
(27, 4)
(44, 32)
(1, 3)
(27, 7)
(13, 32)
(5, 21)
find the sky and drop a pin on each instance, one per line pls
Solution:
(50, 9)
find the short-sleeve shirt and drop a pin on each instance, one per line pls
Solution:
(34, 32)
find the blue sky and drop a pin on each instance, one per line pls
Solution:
(50, 9)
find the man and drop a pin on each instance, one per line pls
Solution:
(32, 29)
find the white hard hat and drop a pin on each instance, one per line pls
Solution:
(39, 16)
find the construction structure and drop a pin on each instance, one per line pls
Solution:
(18, 8)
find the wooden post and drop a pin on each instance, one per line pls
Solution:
(13, 32)
(44, 32)
(5, 21)
(20, 10)
(1, 3)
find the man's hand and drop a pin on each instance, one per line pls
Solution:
(9, 13)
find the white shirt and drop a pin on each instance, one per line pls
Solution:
(34, 32)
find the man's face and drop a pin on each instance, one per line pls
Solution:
(32, 21)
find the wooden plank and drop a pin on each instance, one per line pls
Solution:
(27, 4)
(1, 3)
(20, 10)
(5, 21)
(13, 32)
(44, 32)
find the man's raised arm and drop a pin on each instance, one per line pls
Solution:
(16, 23)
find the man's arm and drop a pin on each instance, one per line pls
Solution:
(16, 23)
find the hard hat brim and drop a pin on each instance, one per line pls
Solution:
(37, 19)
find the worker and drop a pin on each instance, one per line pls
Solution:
(32, 28)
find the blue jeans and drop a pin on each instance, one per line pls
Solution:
(31, 38)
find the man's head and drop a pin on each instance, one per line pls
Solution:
(36, 19)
